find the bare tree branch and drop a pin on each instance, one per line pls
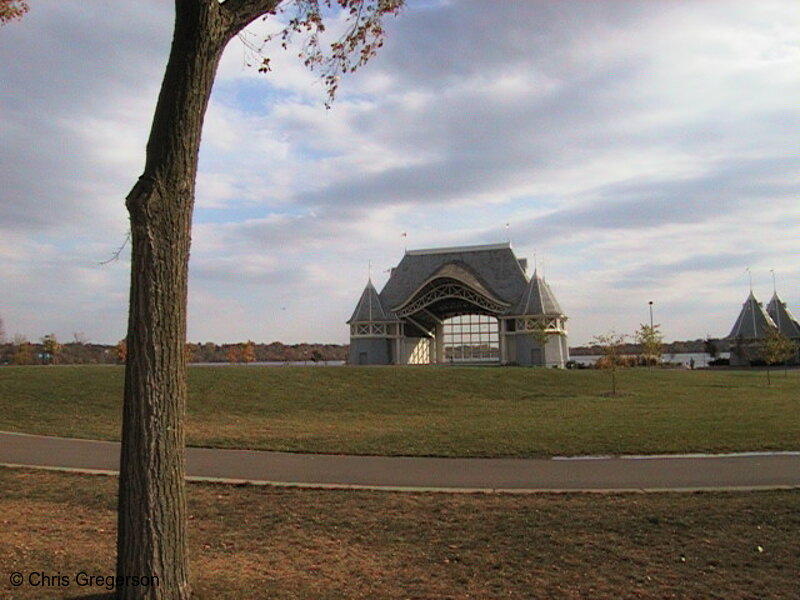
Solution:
(243, 12)
(118, 252)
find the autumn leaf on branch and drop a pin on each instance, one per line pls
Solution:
(363, 36)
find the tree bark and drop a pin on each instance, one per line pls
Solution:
(151, 536)
(152, 506)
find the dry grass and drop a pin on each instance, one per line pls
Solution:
(262, 542)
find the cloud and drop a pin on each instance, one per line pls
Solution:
(642, 151)
(726, 190)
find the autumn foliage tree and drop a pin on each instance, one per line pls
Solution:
(249, 352)
(776, 348)
(611, 350)
(152, 506)
(23, 351)
(234, 354)
(52, 348)
(189, 352)
(651, 341)
(11, 10)
(121, 351)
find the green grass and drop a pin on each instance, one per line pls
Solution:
(290, 544)
(453, 411)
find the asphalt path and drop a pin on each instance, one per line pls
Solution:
(745, 471)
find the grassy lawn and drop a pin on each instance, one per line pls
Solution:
(262, 542)
(458, 411)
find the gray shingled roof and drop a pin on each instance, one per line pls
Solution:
(753, 322)
(369, 307)
(493, 267)
(784, 320)
(538, 299)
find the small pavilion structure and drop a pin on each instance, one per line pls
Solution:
(785, 322)
(783, 319)
(468, 304)
(751, 327)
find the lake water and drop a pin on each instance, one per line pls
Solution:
(298, 363)
(701, 359)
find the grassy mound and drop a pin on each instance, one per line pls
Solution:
(452, 411)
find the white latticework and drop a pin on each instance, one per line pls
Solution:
(440, 290)
(543, 323)
(373, 329)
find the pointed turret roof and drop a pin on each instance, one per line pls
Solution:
(538, 299)
(369, 307)
(783, 319)
(753, 322)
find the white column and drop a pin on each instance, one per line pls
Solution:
(503, 344)
(439, 342)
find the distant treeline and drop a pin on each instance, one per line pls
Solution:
(273, 352)
(679, 347)
(49, 351)
(74, 353)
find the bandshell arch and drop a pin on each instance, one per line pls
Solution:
(403, 324)
(442, 288)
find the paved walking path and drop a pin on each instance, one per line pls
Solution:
(591, 474)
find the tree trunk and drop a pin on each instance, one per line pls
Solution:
(152, 506)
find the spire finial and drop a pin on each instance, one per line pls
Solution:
(750, 275)
(774, 287)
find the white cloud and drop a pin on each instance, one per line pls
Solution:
(644, 151)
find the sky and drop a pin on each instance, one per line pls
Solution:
(639, 151)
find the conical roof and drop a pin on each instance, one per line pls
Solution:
(783, 319)
(538, 299)
(753, 322)
(369, 307)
